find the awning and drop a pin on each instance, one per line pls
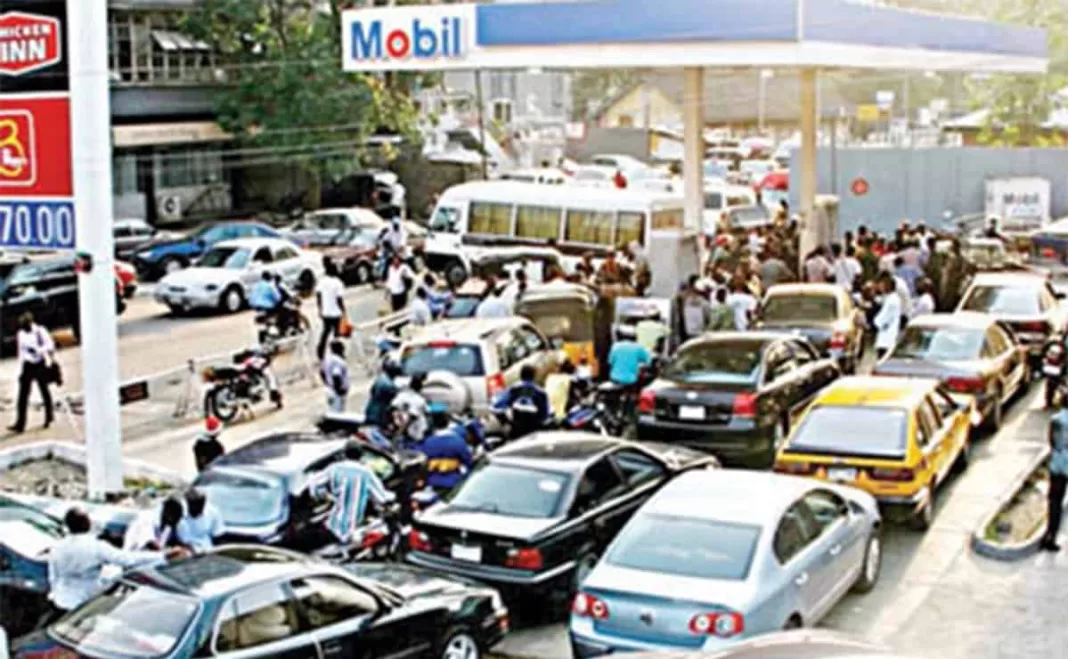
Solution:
(165, 134)
(176, 41)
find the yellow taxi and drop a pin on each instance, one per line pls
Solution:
(895, 438)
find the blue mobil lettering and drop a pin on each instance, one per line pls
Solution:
(422, 40)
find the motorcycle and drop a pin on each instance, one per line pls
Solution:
(239, 387)
(1054, 366)
(597, 411)
(381, 538)
(286, 322)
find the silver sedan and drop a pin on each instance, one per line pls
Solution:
(719, 556)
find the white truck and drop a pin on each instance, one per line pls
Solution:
(1022, 204)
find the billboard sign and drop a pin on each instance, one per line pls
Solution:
(36, 182)
(399, 38)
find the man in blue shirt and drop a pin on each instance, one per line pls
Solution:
(202, 525)
(351, 484)
(526, 402)
(1058, 477)
(626, 360)
(264, 296)
(909, 273)
(449, 458)
(383, 390)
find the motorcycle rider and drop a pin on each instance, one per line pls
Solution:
(207, 448)
(383, 390)
(351, 484)
(448, 457)
(526, 403)
(391, 243)
(410, 412)
(264, 298)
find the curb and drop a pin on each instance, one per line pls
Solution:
(1018, 550)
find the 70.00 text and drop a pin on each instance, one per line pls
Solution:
(37, 224)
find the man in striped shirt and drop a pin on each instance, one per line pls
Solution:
(351, 484)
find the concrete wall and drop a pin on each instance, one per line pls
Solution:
(922, 184)
(625, 141)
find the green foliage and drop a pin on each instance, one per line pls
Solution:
(284, 87)
(591, 89)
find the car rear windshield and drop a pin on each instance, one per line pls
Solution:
(800, 308)
(719, 361)
(687, 547)
(139, 622)
(567, 320)
(833, 430)
(28, 532)
(940, 343)
(244, 498)
(511, 490)
(1006, 300)
(463, 360)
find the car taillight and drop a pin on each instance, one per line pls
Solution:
(838, 341)
(745, 405)
(1055, 354)
(419, 541)
(372, 538)
(895, 475)
(588, 606)
(723, 625)
(1035, 327)
(527, 558)
(647, 402)
(494, 386)
(966, 385)
(795, 468)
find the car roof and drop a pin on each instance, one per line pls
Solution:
(255, 243)
(1008, 279)
(361, 213)
(751, 336)
(729, 495)
(806, 289)
(283, 453)
(961, 319)
(226, 570)
(567, 451)
(872, 391)
(558, 290)
(466, 330)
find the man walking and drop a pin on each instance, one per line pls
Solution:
(336, 377)
(36, 352)
(329, 294)
(1058, 477)
(888, 320)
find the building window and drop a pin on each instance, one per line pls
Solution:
(183, 167)
(124, 174)
(589, 227)
(667, 220)
(145, 47)
(493, 219)
(538, 222)
(502, 111)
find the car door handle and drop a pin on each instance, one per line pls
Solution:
(835, 550)
(802, 580)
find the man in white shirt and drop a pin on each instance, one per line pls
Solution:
(399, 278)
(742, 302)
(888, 320)
(76, 561)
(202, 524)
(36, 352)
(846, 267)
(817, 267)
(492, 306)
(330, 296)
(419, 309)
(925, 302)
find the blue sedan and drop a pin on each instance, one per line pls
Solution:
(159, 258)
(719, 556)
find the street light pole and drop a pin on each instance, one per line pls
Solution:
(762, 102)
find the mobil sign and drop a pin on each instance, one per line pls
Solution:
(28, 42)
(411, 38)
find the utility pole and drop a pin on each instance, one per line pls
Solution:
(481, 124)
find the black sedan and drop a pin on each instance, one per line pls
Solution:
(255, 601)
(261, 489)
(974, 355)
(534, 516)
(734, 394)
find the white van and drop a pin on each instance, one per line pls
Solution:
(720, 198)
(538, 175)
(575, 219)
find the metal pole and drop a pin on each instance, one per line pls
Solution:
(810, 233)
(87, 23)
(481, 123)
(762, 102)
(834, 155)
(693, 139)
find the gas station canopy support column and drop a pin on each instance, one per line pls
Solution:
(695, 37)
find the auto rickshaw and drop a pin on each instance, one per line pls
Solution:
(573, 315)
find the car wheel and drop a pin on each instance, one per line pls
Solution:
(993, 422)
(172, 264)
(455, 273)
(960, 465)
(924, 518)
(459, 644)
(232, 300)
(873, 564)
(794, 622)
(363, 274)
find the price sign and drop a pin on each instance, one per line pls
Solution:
(37, 224)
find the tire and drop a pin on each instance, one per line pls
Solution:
(175, 309)
(171, 264)
(583, 567)
(458, 643)
(364, 274)
(455, 273)
(993, 422)
(960, 465)
(923, 519)
(306, 282)
(232, 300)
(1050, 393)
(223, 403)
(872, 565)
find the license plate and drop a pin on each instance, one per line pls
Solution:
(465, 553)
(691, 413)
(1051, 370)
(842, 474)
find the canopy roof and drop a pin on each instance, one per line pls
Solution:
(713, 33)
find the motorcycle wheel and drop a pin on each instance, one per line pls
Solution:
(224, 403)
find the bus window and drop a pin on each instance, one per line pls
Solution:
(538, 222)
(445, 220)
(739, 201)
(589, 227)
(493, 219)
(631, 228)
(667, 220)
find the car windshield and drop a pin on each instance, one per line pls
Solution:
(233, 258)
(508, 490)
(1006, 300)
(940, 343)
(26, 531)
(799, 308)
(138, 622)
(748, 216)
(463, 360)
(244, 498)
(560, 319)
(445, 219)
(832, 430)
(734, 361)
(687, 547)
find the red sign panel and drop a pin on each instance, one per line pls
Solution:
(28, 42)
(35, 147)
(860, 187)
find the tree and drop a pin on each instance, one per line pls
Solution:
(590, 90)
(285, 93)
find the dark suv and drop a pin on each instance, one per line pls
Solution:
(47, 286)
